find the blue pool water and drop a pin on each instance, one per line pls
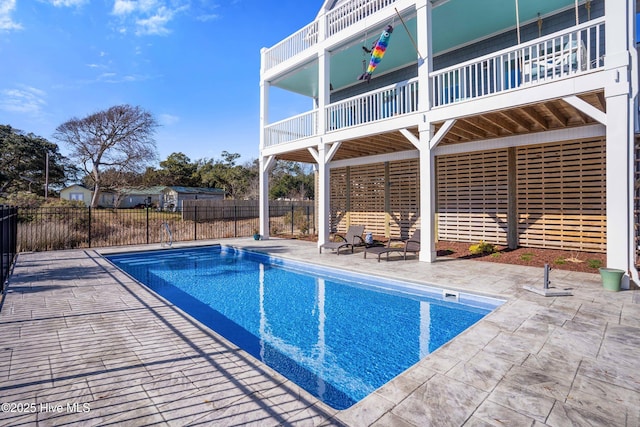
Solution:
(338, 335)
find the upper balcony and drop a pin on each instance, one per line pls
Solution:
(335, 20)
(570, 53)
(350, 20)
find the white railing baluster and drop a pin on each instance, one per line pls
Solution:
(556, 56)
(535, 62)
(337, 20)
(292, 45)
(291, 129)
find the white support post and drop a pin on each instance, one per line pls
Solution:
(324, 91)
(620, 125)
(425, 63)
(633, 126)
(264, 105)
(323, 195)
(427, 196)
(265, 163)
(427, 158)
(324, 150)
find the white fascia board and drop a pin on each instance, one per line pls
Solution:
(286, 147)
(378, 158)
(374, 128)
(525, 95)
(552, 136)
(292, 65)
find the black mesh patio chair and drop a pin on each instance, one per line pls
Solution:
(352, 239)
(411, 245)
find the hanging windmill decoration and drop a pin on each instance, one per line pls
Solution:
(377, 52)
(380, 47)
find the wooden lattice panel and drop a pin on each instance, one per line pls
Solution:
(367, 197)
(561, 196)
(404, 197)
(338, 205)
(385, 198)
(473, 197)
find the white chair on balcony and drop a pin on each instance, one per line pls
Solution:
(572, 57)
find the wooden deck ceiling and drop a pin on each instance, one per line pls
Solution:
(540, 117)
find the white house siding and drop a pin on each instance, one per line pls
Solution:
(76, 193)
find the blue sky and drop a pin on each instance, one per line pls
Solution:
(194, 64)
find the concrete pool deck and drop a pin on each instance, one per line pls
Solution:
(81, 343)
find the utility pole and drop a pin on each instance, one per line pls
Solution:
(46, 176)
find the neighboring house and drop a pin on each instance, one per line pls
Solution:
(81, 193)
(160, 196)
(173, 196)
(483, 121)
(107, 199)
(141, 196)
(78, 193)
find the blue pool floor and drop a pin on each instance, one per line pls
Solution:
(338, 335)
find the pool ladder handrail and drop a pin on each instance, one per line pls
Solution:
(165, 229)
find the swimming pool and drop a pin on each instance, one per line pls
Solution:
(338, 335)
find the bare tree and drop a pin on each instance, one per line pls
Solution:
(120, 138)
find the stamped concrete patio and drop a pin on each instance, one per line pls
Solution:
(82, 343)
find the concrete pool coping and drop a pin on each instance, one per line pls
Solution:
(75, 330)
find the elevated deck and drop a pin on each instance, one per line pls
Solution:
(514, 91)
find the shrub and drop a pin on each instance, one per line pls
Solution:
(274, 228)
(594, 263)
(482, 248)
(300, 221)
(23, 199)
(54, 202)
(526, 256)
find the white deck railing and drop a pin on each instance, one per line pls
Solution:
(291, 46)
(351, 12)
(390, 101)
(394, 100)
(563, 54)
(335, 20)
(291, 129)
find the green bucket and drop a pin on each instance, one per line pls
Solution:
(611, 278)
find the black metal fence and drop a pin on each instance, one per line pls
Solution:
(8, 241)
(52, 228)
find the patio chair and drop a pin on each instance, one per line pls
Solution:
(411, 245)
(352, 239)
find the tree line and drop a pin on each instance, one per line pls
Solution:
(115, 149)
